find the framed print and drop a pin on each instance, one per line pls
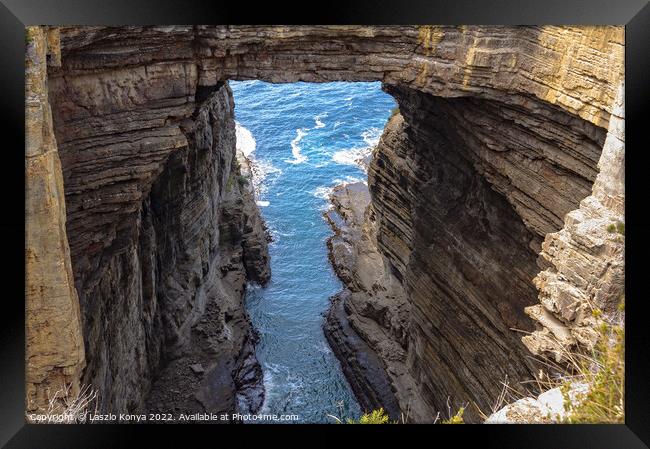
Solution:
(409, 216)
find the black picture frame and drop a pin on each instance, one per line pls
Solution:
(16, 14)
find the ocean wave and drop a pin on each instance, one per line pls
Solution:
(351, 156)
(322, 192)
(298, 157)
(348, 180)
(245, 142)
(319, 123)
(262, 203)
(371, 136)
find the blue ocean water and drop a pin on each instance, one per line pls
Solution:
(303, 139)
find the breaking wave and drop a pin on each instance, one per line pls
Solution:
(245, 141)
(298, 157)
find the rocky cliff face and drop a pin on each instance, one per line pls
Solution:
(163, 234)
(54, 344)
(499, 137)
(171, 266)
(463, 191)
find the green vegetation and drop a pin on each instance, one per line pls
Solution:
(375, 417)
(616, 227)
(604, 372)
(28, 37)
(601, 369)
(379, 416)
(457, 418)
(242, 180)
(620, 227)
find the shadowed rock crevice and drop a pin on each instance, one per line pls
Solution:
(168, 290)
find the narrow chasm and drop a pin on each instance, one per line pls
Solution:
(164, 233)
(439, 206)
(402, 230)
(303, 140)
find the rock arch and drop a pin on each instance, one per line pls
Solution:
(520, 114)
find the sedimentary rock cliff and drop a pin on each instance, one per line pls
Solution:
(163, 233)
(499, 136)
(54, 343)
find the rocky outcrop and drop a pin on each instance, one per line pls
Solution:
(547, 408)
(499, 136)
(584, 281)
(54, 345)
(367, 320)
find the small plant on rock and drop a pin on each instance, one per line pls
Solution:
(457, 418)
(378, 416)
(242, 180)
(375, 417)
(604, 372)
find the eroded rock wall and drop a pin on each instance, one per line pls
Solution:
(583, 281)
(54, 344)
(500, 132)
(463, 192)
(160, 232)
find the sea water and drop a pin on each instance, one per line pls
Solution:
(303, 139)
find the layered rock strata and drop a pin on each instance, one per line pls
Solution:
(54, 343)
(499, 136)
(163, 234)
(463, 192)
(161, 288)
(584, 280)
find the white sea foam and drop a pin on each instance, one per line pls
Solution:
(245, 140)
(261, 169)
(296, 385)
(319, 123)
(322, 192)
(351, 156)
(269, 385)
(298, 157)
(324, 348)
(355, 156)
(371, 136)
(348, 180)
